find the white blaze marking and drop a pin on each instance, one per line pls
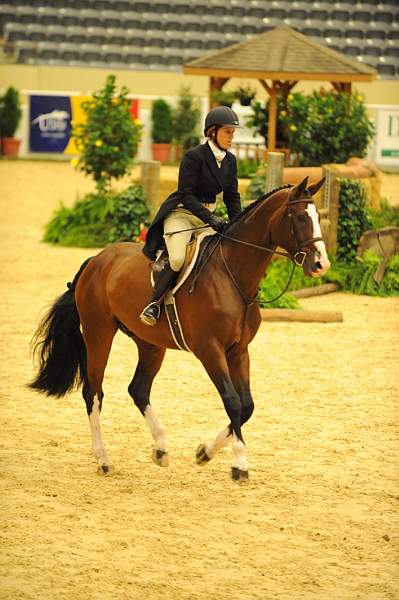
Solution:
(157, 430)
(323, 258)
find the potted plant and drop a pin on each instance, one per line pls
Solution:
(185, 121)
(10, 116)
(245, 94)
(223, 98)
(162, 129)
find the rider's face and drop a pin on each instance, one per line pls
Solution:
(225, 136)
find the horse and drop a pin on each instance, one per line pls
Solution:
(219, 317)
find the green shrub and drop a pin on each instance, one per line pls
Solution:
(221, 210)
(99, 219)
(162, 122)
(10, 112)
(327, 127)
(358, 276)
(223, 98)
(185, 119)
(256, 188)
(246, 168)
(259, 120)
(352, 218)
(386, 216)
(109, 137)
(273, 283)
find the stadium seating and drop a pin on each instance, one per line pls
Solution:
(164, 35)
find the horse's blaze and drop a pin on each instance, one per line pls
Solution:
(322, 259)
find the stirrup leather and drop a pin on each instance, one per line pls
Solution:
(150, 314)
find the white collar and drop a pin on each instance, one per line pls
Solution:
(219, 154)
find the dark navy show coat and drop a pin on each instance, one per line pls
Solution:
(200, 180)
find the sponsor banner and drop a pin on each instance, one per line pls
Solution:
(387, 142)
(50, 123)
(52, 119)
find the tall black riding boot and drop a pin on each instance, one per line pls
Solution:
(165, 279)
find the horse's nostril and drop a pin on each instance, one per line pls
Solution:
(319, 265)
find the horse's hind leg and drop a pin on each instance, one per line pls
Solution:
(98, 340)
(150, 361)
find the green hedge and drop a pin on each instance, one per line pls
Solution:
(99, 219)
(353, 220)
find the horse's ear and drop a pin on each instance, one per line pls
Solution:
(313, 189)
(298, 190)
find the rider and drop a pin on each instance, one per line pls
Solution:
(205, 171)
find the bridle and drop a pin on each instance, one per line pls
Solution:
(298, 257)
(300, 245)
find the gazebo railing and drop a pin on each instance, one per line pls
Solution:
(256, 152)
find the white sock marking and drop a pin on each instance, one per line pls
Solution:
(221, 440)
(97, 441)
(239, 454)
(156, 428)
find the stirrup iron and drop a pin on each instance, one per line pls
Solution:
(150, 314)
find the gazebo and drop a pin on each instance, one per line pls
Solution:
(279, 59)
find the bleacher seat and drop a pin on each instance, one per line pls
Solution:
(354, 51)
(361, 16)
(386, 70)
(392, 52)
(162, 34)
(76, 35)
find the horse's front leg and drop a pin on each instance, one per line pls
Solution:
(215, 363)
(238, 364)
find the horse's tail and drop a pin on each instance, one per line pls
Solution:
(59, 346)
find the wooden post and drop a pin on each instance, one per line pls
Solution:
(274, 170)
(150, 181)
(331, 203)
(272, 125)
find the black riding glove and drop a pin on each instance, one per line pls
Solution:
(217, 223)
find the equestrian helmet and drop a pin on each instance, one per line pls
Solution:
(219, 117)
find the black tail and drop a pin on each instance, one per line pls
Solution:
(60, 347)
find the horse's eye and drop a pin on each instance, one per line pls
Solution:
(302, 218)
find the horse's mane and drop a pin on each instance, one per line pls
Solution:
(256, 203)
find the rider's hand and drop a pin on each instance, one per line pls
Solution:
(217, 223)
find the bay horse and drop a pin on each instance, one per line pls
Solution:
(219, 318)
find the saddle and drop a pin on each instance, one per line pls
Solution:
(198, 252)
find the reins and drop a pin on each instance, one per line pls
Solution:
(298, 258)
(249, 302)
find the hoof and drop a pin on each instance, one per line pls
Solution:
(201, 456)
(105, 470)
(160, 457)
(239, 475)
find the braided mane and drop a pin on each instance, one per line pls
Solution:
(256, 203)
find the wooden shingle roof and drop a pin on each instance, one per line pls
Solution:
(283, 54)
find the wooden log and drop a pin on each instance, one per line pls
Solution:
(318, 290)
(299, 315)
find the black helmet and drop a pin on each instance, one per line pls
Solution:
(219, 116)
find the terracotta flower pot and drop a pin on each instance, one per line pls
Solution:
(10, 146)
(161, 152)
